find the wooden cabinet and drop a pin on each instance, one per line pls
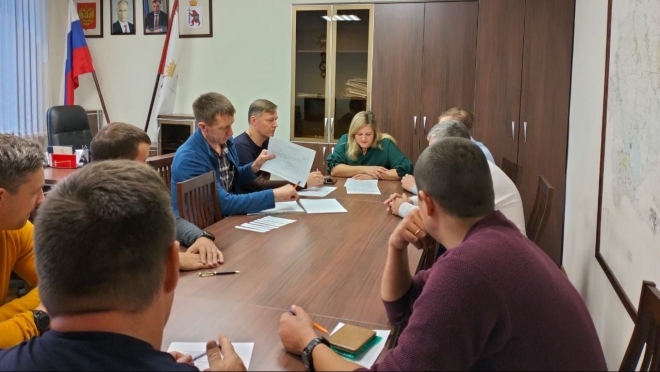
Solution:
(424, 63)
(331, 65)
(523, 78)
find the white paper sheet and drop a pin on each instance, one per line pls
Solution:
(317, 192)
(368, 359)
(243, 349)
(362, 187)
(265, 224)
(292, 162)
(249, 229)
(283, 207)
(322, 206)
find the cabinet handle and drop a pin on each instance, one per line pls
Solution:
(415, 124)
(424, 121)
(525, 130)
(333, 149)
(323, 152)
(325, 124)
(332, 126)
(513, 131)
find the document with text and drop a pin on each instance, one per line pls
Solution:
(292, 162)
(194, 349)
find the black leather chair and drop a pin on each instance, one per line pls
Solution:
(68, 126)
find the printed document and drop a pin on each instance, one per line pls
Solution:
(292, 162)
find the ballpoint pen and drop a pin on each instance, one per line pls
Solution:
(215, 273)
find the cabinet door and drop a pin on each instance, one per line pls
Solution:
(448, 67)
(546, 83)
(321, 155)
(310, 66)
(397, 64)
(499, 70)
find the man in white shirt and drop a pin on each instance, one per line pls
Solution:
(122, 26)
(507, 197)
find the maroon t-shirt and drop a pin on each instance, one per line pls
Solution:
(494, 302)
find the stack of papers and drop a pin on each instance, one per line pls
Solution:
(370, 356)
(317, 192)
(362, 187)
(356, 88)
(313, 206)
(265, 224)
(282, 207)
(243, 349)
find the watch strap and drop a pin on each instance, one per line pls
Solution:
(307, 353)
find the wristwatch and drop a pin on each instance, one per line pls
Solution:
(208, 235)
(307, 352)
(41, 320)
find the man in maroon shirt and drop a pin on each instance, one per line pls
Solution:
(493, 301)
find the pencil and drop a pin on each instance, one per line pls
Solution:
(316, 325)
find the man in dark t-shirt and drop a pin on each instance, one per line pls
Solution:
(108, 264)
(262, 117)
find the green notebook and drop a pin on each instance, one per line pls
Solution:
(358, 353)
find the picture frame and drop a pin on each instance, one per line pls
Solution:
(90, 13)
(155, 17)
(195, 18)
(127, 10)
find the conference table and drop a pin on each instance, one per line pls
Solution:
(329, 264)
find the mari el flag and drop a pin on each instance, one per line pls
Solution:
(167, 72)
(78, 58)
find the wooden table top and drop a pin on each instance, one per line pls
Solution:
(330, 264)
(54, 175)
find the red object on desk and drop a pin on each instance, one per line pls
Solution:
(63, 161)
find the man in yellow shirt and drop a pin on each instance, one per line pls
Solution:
(21, 181)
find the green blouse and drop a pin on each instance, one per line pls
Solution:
(388, 156)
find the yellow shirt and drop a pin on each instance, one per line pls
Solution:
(17, 254)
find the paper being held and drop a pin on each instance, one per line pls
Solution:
(243, 349)
(292, 162)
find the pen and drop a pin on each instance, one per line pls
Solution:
(206, 352)
(321, 329)
(214, 273)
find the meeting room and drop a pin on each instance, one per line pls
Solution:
(329, 185)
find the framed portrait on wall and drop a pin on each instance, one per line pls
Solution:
(195, 18)
(156, 16)
(90, 13)
(122, 17)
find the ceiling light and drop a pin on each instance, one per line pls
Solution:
(327, 18)
(354, 17)
(337, 18)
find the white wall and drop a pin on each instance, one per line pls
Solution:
(249, 57)
(612, 322)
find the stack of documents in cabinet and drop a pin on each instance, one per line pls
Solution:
(356, 87)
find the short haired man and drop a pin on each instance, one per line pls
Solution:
(507, 197)
(467, 118)
(108, 266)
(494, 300)
(262, 119)
(122, 25)
(211, 148)
(156, 21)
(126, 141)
(21, 181)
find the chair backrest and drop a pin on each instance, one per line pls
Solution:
(646, 332)
(512, 169)
(542, 205)
(198, 200)
(68, 126)
(163, 165)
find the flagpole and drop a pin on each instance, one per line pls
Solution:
(98, 89)
(175, 13)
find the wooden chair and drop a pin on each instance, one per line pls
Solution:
(542, 206)
(198, 200)
(646, 332)
(512, 169)
(163, 165)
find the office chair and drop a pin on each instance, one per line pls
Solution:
(68, 126)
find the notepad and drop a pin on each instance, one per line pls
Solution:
(317, 192)
(369, 357)
(313, 206)
(243, 349)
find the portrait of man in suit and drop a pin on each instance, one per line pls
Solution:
(155, 22)
(122, 25)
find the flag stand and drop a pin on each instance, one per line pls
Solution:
(161, 66)
(98, 89)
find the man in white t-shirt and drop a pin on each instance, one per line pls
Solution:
(507, 197)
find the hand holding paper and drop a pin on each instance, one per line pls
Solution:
(292, 162)
(259, 162)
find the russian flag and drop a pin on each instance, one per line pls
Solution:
(78, 58)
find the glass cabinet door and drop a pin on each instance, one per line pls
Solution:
(311, 64)
(351, 68)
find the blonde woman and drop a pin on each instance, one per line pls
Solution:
(365, 153)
